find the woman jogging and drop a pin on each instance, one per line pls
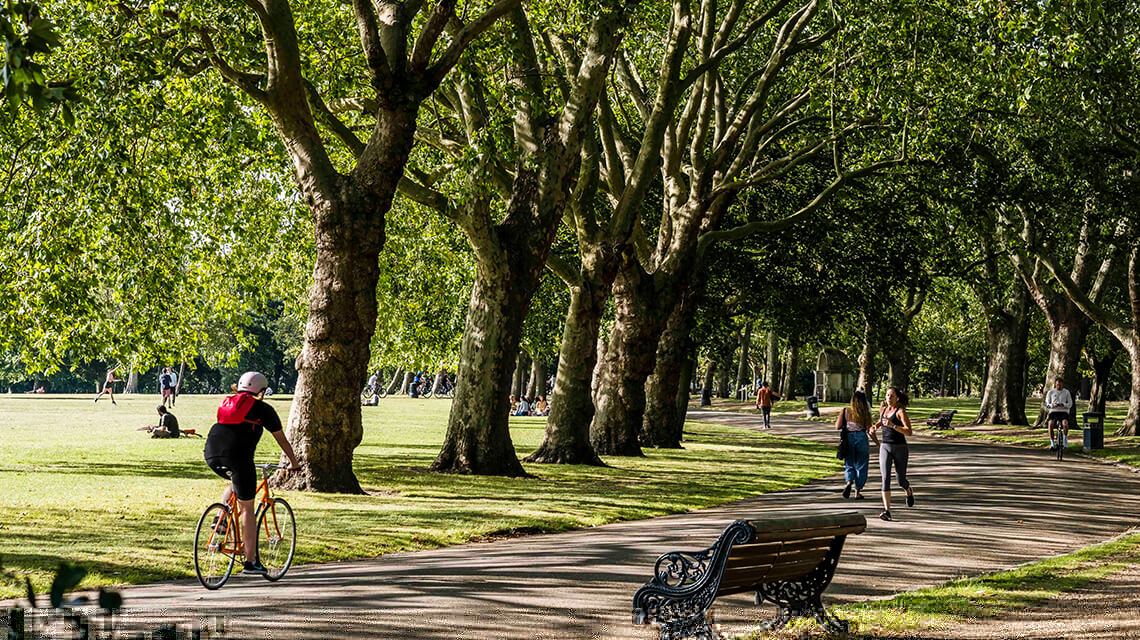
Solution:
(856, 419)
(895, 426)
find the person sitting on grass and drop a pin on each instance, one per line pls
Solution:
(167, 426)
(541, 408)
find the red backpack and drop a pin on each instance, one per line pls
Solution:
(235, 408)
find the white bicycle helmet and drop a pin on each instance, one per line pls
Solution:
(253, 382)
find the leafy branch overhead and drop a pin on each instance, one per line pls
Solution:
(28, 39)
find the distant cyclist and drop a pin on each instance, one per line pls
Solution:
(230, 448)
(1059, 402)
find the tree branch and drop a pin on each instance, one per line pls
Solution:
(710, 237)
(466, 34)
(370, 40)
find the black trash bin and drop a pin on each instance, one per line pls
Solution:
(812, 407)
(1094, 430)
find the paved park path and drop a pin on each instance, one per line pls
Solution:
(980, 508)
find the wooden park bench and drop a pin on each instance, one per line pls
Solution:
(786, 560)
(941, 420)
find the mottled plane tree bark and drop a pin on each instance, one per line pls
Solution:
(550, 123)
(403, 57)
(723, 142)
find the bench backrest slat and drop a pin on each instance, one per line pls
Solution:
(785, 549)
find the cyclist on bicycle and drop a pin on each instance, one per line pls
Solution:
(1058, 401)
(230, 448)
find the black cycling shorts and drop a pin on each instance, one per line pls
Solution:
(1059, 416)
(241, 473)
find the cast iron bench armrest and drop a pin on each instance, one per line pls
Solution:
(788, 561)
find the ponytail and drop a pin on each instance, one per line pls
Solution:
(903, 397)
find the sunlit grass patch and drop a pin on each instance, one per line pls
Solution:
(79, 483)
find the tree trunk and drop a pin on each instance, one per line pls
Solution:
(519, 377)
(397, 378)
(899, 361)
(870, 350)
(1102, 368)
(437, 384)
(407, 383)
(478, 437)
(710, 376)
(132, 382)
(537, 384)
(1007, 333)
(567, 437)
(722, 379)
(324, 421)
(181, 371)
(619, 384)
(664, 422)
(682, 399)
(773, 377)
(1069, 328)
(742, 370)
(790, 383)
(1131, 424)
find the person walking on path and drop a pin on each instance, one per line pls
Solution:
(764, 398)
(895, 425)
(856, 419)
(109, 385)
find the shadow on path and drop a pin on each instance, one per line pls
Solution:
(980, 508)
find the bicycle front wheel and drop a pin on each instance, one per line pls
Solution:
(276, 538)
(215, 546)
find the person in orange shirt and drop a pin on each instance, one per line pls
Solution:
(764, 398)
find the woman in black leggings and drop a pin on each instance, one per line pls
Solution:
(894, 424)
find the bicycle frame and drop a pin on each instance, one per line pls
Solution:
(234, 521)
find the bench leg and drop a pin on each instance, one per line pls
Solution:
(694, 628)
(828, 621)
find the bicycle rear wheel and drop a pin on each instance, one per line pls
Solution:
(276, 538)
(215, 546)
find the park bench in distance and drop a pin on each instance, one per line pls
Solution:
(941, 420)
(787, 560)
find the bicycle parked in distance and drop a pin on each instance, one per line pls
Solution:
(380, 391)
(218, 544)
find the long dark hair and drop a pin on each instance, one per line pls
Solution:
(903, 396)
(860, 410)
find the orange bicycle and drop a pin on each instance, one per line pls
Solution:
(218, 544)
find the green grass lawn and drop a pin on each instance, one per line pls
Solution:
(990, 596)
(79, 483)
